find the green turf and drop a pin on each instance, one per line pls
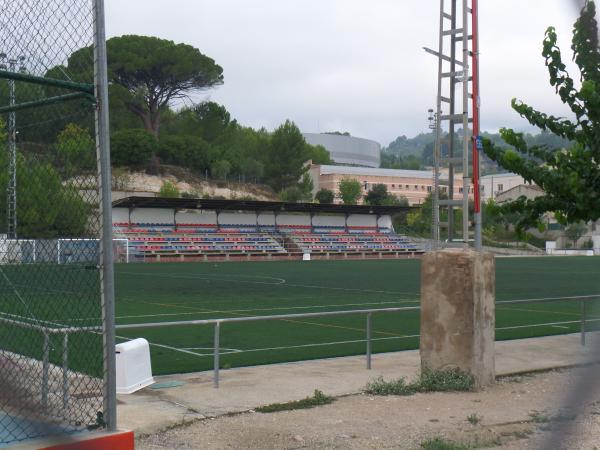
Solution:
(174, 292)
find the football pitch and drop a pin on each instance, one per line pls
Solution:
(170, 292)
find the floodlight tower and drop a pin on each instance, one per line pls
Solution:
(458, 85)
(11, 190)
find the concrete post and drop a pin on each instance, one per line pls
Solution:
(458, 312)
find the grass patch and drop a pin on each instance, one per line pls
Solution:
(442, 444)
(317, 399)
(449, 380)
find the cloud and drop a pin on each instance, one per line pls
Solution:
(351, 65)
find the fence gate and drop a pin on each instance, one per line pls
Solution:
(56, 312)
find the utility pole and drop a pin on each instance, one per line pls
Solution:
(457, 87)
(11, 190)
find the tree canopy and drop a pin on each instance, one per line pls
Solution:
(350, 191)
(570, 177)
(147, 73)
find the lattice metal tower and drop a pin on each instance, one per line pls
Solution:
(11, 189)
(457, 106)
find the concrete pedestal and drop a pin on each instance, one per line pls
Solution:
(458, 312)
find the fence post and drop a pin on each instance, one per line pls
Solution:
(216, 355)
(65, 370)
(107, 271)
(583, 313)
(369, 315)
(45, 368)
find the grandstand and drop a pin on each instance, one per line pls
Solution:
(165, 229)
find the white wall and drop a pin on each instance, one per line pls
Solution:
(152, 215)
(120, 215)
(266, 219)
(293, 219)
(237, 218)
(362, 220)
(332, 221)
(193, 216)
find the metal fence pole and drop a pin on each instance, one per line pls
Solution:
(107, 275)
(65, 370)
(216, 354)
(369, 315)
(583, 314)
(45, 369)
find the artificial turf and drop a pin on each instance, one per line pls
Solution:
(176, 292)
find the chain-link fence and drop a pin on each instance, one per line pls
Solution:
(55, 279)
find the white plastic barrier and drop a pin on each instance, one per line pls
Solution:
(133, 366)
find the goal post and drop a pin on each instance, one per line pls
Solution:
(59, 251)
(70, 251)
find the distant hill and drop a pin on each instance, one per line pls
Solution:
(417, 153)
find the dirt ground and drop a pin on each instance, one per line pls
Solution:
(519, 412)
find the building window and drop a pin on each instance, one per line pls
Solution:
(416, 187)
(407, 186)
(482, 188)
(460, 190)
(393, 186)
(500, 187)
(428, 188)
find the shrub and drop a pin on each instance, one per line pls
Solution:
(168, 190)
(324, 196)
(132, 147)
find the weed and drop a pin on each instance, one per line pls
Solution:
(442, 444)
(474, 419)
(445, 380)
(522, 434)
(538, 417)
(429, 381)
(317, 399)
(394, 387)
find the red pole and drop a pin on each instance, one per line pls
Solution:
(475, 92)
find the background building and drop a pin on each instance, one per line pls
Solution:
(495, 184)
(414, 185)
(347, 149)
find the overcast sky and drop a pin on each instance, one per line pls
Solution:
(352, 65)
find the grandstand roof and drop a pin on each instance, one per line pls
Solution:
(253, 205)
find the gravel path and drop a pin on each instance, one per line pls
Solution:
(514, 414)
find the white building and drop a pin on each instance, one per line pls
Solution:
(492, 185)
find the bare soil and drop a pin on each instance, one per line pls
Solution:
(517, 413)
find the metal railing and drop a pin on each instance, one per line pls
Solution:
(48, 330)
(583, 300)
(217, 327)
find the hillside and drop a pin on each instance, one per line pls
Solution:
(129, 183)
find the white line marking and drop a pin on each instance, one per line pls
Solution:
(308, 286)
(168, 347)
(282, 308)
